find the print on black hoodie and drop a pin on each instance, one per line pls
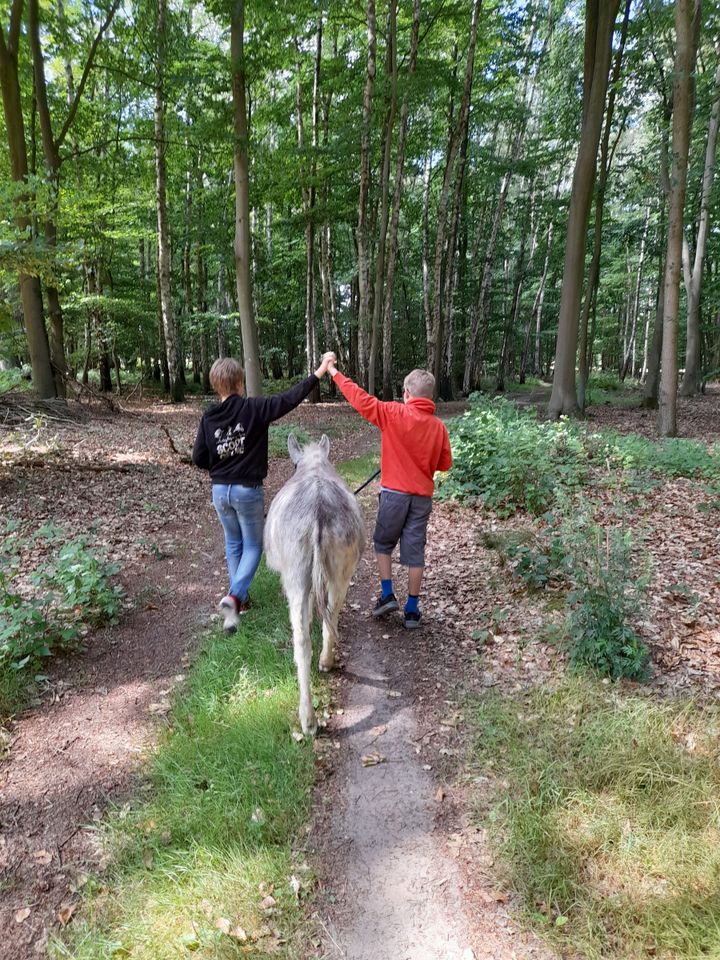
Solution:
(232, 439)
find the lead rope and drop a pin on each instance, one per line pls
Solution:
(369, 480)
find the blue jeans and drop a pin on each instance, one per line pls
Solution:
(242, 514)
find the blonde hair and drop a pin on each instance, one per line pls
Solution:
(226, 377)
(420, 383)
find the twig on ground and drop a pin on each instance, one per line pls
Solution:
(184, 457)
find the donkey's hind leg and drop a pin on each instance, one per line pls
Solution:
(299, 604)
(337, 592)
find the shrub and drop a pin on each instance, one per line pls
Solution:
(606, 592)
(71, 591)
(512, 462)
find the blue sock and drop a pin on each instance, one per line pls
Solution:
(412, 605)
(386, 587)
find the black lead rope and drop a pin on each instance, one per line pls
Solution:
(369, 480)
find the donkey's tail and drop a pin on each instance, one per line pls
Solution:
(321, 576)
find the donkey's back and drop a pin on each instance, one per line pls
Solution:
(314, 536)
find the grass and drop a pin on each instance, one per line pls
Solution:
(607, 817)
(278, 438)
(214, 829)
(356, 471)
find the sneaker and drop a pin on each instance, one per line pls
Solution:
(385, 604)
(228, 609)
(412, 619)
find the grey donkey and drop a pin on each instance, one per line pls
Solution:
(314, 537)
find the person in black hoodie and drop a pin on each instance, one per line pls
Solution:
(232, 443)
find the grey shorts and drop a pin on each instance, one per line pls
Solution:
(403, 517)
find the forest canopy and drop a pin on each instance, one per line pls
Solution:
(498, 191)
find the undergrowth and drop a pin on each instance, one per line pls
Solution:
(510, 460)
(211, 834)
(52, 608)
(606, 812)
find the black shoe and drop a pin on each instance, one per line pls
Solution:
(385, 604)
(412, 619)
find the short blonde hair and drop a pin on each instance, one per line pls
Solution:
(226, 377)
(420, 383)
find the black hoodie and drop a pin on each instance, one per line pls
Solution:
(232, 439)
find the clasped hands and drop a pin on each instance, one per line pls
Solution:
(327, 365)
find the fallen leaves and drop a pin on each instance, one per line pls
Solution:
(65, 913)
(22, 915)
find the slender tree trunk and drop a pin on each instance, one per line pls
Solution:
(427, 314)
(435, 343)
(687, 14)
(628, 366)
(599, 27)
(363, 228)
(163, 228)
(693, 274)
(31, 295)
(585, 345)
(309, 193)
(243, 253)
(379, 299)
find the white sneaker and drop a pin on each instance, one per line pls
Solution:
(228, 609)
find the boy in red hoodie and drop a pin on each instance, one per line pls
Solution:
(414, 444)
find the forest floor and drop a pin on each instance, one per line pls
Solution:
(405, 866)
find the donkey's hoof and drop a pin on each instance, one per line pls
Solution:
(308, 724)
(326, 665)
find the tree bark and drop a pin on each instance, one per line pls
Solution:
(363, 228)
(30, 292)
(585, 345)
(599, 27)
(242, 246)
(379, 299)
(435, 342)
(693, 274)
(163, 229)
(687, 14)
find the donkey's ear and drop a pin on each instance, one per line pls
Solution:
(325, 445)
(294, 449)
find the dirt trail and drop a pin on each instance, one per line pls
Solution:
(385, 853)
(395, 886)
(400, 891)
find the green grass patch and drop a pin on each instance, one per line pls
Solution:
(278, 438)
(14, 379)
(606, 812)
(356, 471)
(212, 832)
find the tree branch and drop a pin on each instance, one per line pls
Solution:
(86, 73)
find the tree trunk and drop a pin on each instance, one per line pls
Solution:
(163, 228)
(308, 191)
(379, 299)
(585, 345)
(51, 149)
(387, 390)
(693, 275)
(599, 27)
(427, 313)
(687, 14)
(242, 246)
(42, 372)
(363, 228)
(435, 343)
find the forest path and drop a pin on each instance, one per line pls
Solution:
(398, 890)
(80, 745)
(388, 829)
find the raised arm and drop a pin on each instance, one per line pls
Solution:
(372, 409)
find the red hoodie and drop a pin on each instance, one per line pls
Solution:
(415, 442)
